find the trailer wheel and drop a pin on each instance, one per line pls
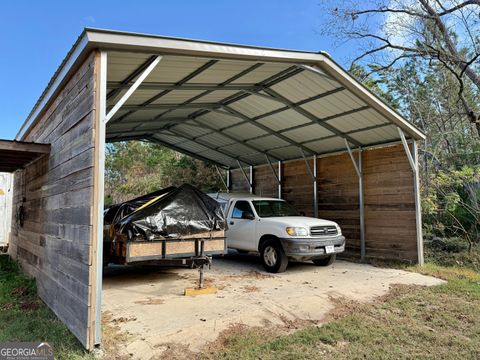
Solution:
(325, 261)
(273, 257)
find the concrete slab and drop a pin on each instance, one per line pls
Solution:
(149, 304)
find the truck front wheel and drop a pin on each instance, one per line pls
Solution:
(273, 257)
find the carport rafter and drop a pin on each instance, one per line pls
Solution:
(164, 92)
(128, 81)
(203, 143)
(115, 85)
(276, 111)
(266, 128)
(220, 86)
(174, 147)
(309, 115)
(132, 89)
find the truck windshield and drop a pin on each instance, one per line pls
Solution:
(272, 208)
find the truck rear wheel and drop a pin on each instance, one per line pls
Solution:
(273, 257)
(325, 261)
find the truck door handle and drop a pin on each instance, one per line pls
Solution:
(232, 223)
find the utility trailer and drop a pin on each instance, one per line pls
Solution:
(173, 226)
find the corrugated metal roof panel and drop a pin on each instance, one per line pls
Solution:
(190, 131)
(216, 139)
(254, 105)
(268, 142)
(291, 152)
(326, 145)
(176, 96)
(220, 72)
(284, 120)
(306, 133)
(333, 104)
(215, 96)
(263, 72)
(375, 136)
(172, 69)
(303, 85)
(357, 120)
(245, 131)
(218, 120)
(238, 149)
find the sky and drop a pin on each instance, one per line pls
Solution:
(35, 36)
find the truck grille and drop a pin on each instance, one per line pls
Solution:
(328, 230)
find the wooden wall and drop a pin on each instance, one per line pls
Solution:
(390, 228)
(56, 191)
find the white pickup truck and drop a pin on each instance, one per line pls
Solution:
(276, 230)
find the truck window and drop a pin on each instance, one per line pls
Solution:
(241, 206)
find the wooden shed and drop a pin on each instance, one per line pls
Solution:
(275, 122)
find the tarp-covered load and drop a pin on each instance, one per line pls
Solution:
(168, 213)
(175, 223)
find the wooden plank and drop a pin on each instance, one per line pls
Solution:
(54, 244)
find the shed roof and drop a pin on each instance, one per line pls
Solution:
(15, 155)
(228, 103)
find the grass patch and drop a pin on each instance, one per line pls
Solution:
(24, 317)
(440, 322)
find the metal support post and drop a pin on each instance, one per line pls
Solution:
(313, 175)
(279, 179)
(247, 179)
(413, 160)
(251, 179)
(99, 186)
(315, 192)
(359, 170)
(221, 178)
(228, 180)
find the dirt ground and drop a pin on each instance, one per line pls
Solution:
(149, 308)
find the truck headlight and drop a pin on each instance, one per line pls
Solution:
(339, 231)
(297, 231)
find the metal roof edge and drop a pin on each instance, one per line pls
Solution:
(190, 40)
(92, 38)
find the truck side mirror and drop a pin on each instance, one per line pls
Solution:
(247, 215)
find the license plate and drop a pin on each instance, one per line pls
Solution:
(329, 249)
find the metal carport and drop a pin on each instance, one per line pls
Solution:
(230, 105)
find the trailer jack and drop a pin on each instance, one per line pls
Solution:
(200, 261)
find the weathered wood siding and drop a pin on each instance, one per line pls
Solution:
(390, 228)
(56, 191)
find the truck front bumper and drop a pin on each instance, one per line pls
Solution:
(303, 249)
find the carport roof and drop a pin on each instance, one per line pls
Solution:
(232, 104)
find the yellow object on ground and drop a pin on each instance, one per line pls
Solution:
(198, 291)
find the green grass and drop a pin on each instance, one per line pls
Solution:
(24, 317)
(413, 322)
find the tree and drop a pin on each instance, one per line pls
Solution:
(136, 168)
(436, 32)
